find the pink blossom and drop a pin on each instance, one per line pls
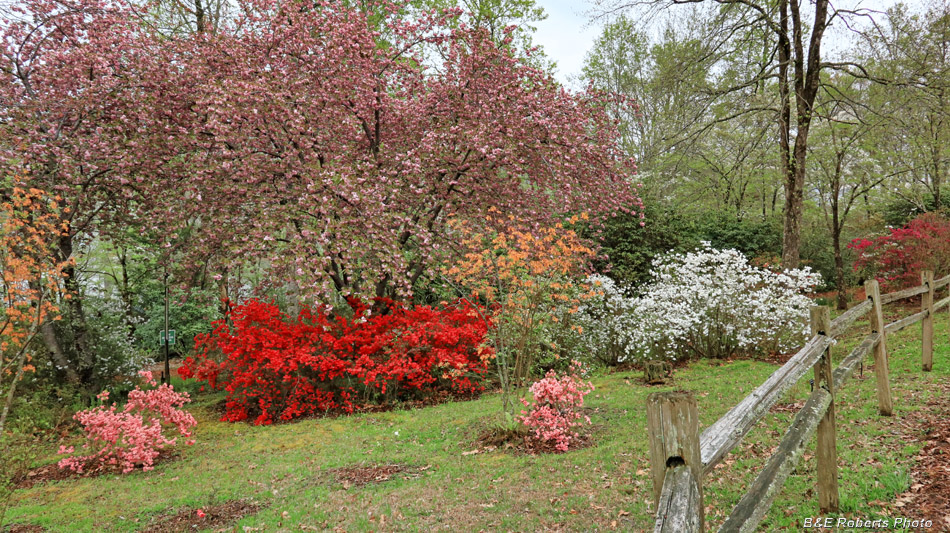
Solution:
(554, 414)
(124, 437)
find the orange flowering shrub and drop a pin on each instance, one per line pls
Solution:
(29, 280)
(529, 279)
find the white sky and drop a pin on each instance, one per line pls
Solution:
(567, 33)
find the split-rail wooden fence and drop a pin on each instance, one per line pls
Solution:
(680, 456)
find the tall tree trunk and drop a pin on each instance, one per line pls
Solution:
(48, 334)
(939, 164)
(794, 207)
(806, 81)
(11, 392)
(125, 293)
(85, 359)
(199, 16)
(791, 230)
(839, 271)
(837, 225)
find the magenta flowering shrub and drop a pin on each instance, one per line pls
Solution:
(556, 408)
(135, 435)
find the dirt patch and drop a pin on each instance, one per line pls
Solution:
(359, 475)
(24, 528)
(929, 494)
(158, 368)
(52, 472)
(211, 517)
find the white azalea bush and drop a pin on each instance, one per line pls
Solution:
(705, 303)
(611, 331)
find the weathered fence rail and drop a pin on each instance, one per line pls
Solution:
(680, 456)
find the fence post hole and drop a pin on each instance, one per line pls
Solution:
(673, 429)
(884, 402)
(826, 453)
(927, 324)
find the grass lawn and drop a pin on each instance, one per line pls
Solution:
(290, 470)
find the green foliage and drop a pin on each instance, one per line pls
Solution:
(497, 16)
(754, 238)
(43, 405)
(900, 210)
(113, 357)
(631, 248)
(189, 313)
(817, 253)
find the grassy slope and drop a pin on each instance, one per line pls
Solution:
(287, 467)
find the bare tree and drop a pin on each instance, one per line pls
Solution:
(846, 172)
(781, 43)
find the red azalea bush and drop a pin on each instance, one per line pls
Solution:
(896, 258)
(135, 435)
(279, 369)
(555, 412)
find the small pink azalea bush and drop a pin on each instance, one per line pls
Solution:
(134, 435)
(555, 411)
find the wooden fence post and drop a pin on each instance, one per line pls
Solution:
(884, 402)
(826, 453)
(673, 428)
(927, 324)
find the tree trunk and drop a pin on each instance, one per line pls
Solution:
(807, 81)
(85, 358)
(125, 292)
(11, 393)
(836, 226)
(794, 206)
(56, 352)
(791, 229)
(839, 272)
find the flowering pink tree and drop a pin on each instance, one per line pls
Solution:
(334, 141)
(88, 117)
(338, 142)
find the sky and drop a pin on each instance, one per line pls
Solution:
(567, 34)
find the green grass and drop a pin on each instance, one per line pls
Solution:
(287, 468)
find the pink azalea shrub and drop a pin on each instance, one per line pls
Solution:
(134, 435)
(555, 411)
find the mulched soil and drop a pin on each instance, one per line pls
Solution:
(519, 441)
(52, 472)
(24, 528)
(929, 494)
(158, 368)
(357, 476)
(212, 517)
